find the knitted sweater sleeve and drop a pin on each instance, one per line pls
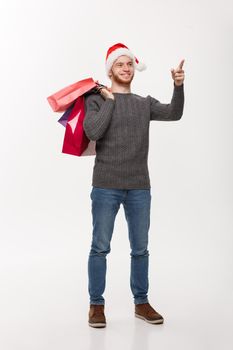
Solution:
(98, 113)
(170, 111)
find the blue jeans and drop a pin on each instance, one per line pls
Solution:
(105, 205)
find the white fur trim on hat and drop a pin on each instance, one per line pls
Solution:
(120, 52)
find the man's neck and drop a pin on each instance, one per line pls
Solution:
(122, 88)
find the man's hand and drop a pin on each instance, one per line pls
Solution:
(178, 74)
(106, 93)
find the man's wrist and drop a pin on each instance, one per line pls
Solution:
(178, 85)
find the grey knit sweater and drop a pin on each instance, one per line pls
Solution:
(121, 130)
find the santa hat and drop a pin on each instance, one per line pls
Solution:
(118, 50)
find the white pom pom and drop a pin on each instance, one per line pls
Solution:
(141, 66)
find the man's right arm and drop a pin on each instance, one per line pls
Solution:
(98, 115)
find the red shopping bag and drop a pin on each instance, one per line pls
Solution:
(75, 140)
(64, 98)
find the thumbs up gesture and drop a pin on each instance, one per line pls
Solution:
(178, 74)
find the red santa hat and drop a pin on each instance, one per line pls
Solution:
(118, 50)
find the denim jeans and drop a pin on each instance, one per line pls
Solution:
(105, 205)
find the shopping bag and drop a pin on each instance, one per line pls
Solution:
(63, 99)
(63, 119)
(65, 116)
(75, 140)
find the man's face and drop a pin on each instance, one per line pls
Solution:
(122, 70)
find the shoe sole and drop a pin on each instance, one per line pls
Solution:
(97, 325)
(159, 321)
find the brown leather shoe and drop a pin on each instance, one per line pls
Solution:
(96, 316)
(147, 313)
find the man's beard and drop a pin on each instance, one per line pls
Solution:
(118, 79)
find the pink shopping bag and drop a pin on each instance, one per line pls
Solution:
(64, 98)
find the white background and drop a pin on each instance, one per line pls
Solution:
(44, 201)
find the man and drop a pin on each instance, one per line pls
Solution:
(118, 120)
